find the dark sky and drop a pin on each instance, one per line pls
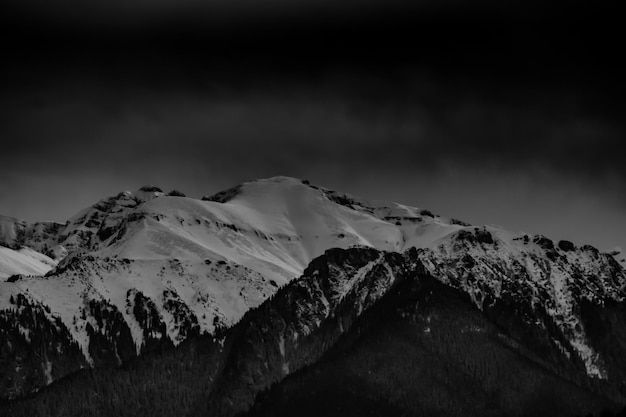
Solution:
(494, 114)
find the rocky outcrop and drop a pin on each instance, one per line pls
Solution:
(41, 236)
(548, 284)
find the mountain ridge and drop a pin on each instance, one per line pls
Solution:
(337, 304)
(145, 271)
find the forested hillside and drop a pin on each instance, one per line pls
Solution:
(363, 332)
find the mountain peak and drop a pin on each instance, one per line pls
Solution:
(280, 179)
(147, 192)
(270, 186)
(149, 272)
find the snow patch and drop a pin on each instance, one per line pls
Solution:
(24, 261)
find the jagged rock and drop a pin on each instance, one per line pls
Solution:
(223, 196)
(176, 193)
(151, 189)
(566, 245)
(14, 278)
(483, 236)
(427, 213)
(459, 222)
(544, 242)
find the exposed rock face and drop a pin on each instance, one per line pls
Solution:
(176, 193)
(566, 245)
(550, 284)
(425, 350)
(41, 236)
(304, 319)
(223, 196)
(92, 227)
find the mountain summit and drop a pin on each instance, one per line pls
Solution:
(145, 271)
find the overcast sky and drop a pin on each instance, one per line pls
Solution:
(495, 115)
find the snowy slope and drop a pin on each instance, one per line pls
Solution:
(219, 258)
(24, 261)
(212, 293)
(274, 226)
(166, 266)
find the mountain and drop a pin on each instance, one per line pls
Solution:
(27, 249)
(367, 332)
(423, 348)
(40, 236)
(250, 275)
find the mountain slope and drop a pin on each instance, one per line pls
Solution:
(295, 327)
(24, 261)
(145, 271)
(427, 351)
(40, 236)
(362, 331)
(538, 274)
(215, 257)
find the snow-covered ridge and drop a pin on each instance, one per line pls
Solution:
(262, 235)
(274, 226)
(491, 263)
(165, 265)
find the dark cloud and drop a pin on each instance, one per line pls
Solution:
(497, 114)
(313, 125)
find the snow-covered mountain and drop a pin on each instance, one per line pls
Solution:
(40, 236)
(221, 255)
(365, 332)
(27, 249)
(144, 270)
